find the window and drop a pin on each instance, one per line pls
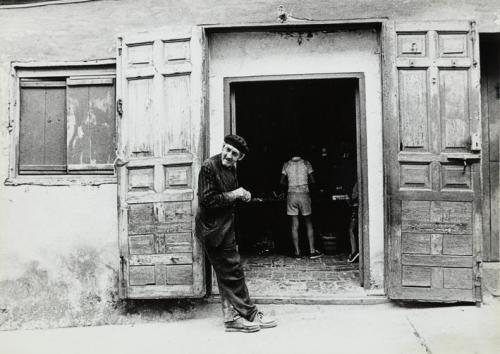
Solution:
(66, 124)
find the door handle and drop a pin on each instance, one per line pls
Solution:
(466, 158)
(465, 166)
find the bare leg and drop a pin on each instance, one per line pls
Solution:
(295, 233)
(310, 233)
(352, 225)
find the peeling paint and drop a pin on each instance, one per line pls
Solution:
(71, 119)
(298, 36)
(80, 133)
(82, 293)
(101, 104)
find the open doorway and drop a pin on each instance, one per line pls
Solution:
(490, 100)
(321, 115)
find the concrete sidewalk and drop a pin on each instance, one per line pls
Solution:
(383, 328)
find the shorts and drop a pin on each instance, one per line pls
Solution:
(298, 203)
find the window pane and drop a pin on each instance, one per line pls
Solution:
(42, 147)
(91, 125)
(102, 106)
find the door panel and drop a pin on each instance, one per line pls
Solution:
(413, 105)
(160, 84)
(431, 113)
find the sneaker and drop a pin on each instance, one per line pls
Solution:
(353, 257)
(239, 324)
(297, 256)
(265, 321)
(316, 254)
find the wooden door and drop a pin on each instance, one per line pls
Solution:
(161, 103)
(432, 161)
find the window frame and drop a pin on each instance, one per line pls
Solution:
(41, 3)
(105, 68)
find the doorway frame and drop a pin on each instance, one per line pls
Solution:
(490, 239)
(361, 146)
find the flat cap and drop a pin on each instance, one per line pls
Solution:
(238, 142)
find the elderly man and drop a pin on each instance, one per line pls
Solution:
(218, 192)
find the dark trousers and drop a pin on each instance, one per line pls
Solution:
(226, 262)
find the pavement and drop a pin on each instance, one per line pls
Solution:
(382, 328)
(278, 276)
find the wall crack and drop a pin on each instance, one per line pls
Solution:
(420, 339)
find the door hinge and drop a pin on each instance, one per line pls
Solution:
(477, 281)
(473, 35)
(10, 125)
(119, 107)
(478, 277)
(123, 282)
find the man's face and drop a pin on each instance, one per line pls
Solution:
(230, 155)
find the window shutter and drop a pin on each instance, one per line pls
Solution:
(42, 127)
(91, 125)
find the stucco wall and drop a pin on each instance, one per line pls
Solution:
(58, 254)
(47, 232)
(261, 54)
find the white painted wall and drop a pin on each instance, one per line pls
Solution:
(267, 53)
(47, 225)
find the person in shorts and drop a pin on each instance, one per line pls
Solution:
(297, 174)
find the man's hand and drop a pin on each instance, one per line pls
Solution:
(248, 196)
(240, 194)
(243, 194)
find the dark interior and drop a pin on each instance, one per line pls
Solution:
(318, 114)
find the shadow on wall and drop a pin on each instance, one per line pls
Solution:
(83, 293)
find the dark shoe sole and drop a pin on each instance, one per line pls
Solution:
(244, 330)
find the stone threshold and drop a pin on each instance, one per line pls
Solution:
(306, 300)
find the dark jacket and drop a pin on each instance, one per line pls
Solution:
(215, 214)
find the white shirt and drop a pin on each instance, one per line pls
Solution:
(297, 171)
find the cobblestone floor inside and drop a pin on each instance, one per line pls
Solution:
(272, 275)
